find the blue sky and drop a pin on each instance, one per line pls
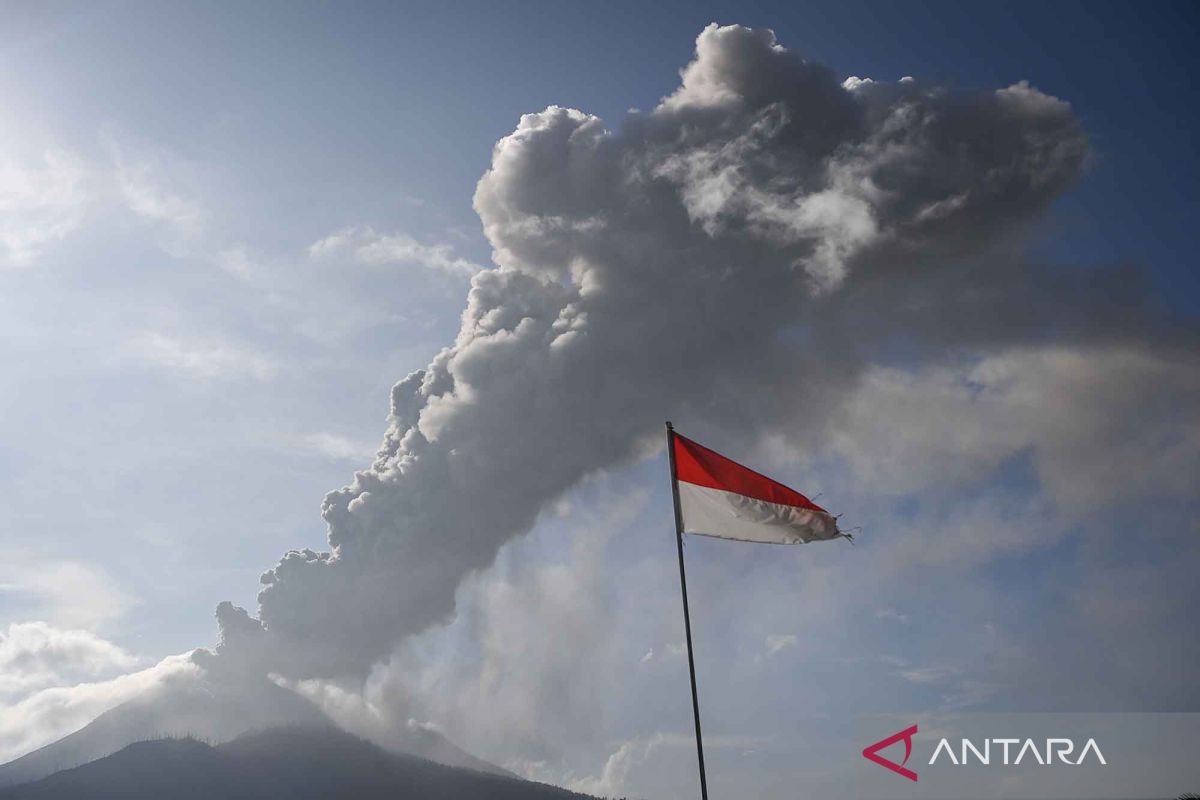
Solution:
(193, 359)
(443, 84)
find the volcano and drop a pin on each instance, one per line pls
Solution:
(201, 709)
(299, 761)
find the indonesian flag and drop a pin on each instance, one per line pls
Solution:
(720, 497)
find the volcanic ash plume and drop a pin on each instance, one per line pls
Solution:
(730, 255)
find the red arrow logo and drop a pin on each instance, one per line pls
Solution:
(872, 752)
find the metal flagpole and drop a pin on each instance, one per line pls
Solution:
(687, 619)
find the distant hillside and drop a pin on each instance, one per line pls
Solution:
(214, 711)
(292, 763)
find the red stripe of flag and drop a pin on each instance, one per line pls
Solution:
(696, 464)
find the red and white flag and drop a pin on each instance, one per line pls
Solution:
(720, 497)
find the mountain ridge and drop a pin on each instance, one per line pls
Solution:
(211, 711)
(300, 761)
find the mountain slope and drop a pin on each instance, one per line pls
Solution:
(213, 711)
(296, 763)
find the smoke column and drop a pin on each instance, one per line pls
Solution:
(733, 255)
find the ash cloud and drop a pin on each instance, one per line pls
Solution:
(739, 253)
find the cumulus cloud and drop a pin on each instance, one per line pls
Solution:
(704, 262)
(34, 655)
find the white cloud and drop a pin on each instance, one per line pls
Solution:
(239, 262)
(50, 714)
(542, 628)
(66, 594)
(366, 246)
(539, 641)
(34, 655)
(40, 202)
(614, 777)
(336, 446)
(928, 674)
(151, 201)
(141, 185)
(1084, 414)
(611, 780)
(206, 358)
(670, 650)
(46, 198)
(778, 642)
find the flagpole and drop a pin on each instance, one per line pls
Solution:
(687, 619)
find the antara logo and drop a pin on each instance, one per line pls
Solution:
(1060, 748)
(872, 752)
(1052, 750)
